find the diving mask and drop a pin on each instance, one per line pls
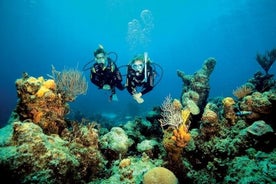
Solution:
(138, 66)
(100, 58)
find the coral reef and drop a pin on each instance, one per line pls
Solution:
(129, 170)
(260, 104)
(148, 147)
(255, 167)
(30, 156)
(40, 103)
(44, 101)
(175, 119)
(196, 87)
(188, 140)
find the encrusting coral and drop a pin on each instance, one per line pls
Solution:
(209, 123)
(34, 157)
(116, 143)
(40, 103)
(259, 104)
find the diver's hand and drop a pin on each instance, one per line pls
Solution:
(106, 87)
(138, 97)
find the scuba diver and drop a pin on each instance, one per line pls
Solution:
(105, 74)
(140, 74)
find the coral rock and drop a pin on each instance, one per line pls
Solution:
(159, 175)
(259, 128)
(198, 83)
(116, 140)
(40, 103)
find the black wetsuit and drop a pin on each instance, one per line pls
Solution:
(110, 75)
(136, 78)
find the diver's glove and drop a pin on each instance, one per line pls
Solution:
(106, 87)
(138, 97)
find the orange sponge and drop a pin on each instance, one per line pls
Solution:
(181, 136)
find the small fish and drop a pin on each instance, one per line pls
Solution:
(243, 113)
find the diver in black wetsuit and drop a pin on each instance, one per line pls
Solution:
(139, 74)
(105, 74)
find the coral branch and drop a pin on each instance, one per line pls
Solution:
(70, 83)
(171, 115)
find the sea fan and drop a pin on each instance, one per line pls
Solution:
(267, 60)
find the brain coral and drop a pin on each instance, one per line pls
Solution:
(116, 140)
(159, 175)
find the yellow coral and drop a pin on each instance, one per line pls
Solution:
(50, 84)
(181, 136)
(40, 79)
(185, 114)
(125, 163)
(31, 80)
(228, 101)
(42, 90)
(229, 112)
(45, 87)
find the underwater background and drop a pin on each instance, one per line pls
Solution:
(36, 34)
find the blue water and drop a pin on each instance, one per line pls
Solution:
(36, 34)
